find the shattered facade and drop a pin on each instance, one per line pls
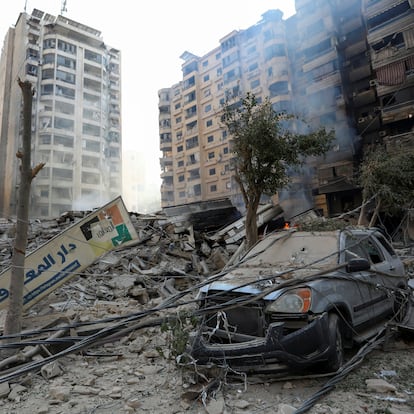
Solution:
(76, 117)
(343, 65)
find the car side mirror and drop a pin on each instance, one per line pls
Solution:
(357, 265)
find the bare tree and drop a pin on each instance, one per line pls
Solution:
(13, 322)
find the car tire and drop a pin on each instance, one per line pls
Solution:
(336, 354)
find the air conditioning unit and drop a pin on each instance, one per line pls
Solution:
(373, 82)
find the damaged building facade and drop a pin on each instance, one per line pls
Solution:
(76, 116)
(347, 66)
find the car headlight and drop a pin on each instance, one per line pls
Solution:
(292, 301)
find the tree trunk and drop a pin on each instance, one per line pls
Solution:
(13, 322)
(362, 218)
(251, 224)
(375, 214)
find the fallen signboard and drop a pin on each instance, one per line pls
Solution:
(70, 252)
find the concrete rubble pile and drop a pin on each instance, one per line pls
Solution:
(109, 318)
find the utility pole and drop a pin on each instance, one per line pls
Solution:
(13, 322)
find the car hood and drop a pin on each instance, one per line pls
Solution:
(279, 260)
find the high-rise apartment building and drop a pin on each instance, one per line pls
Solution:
(343, 65)
(76, 116)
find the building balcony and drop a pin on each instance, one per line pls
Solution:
(398, 112)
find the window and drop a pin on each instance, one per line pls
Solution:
(190, 97)
(211, 155)
(48, 58)
(205, 63)
(48, 74)
(89, 129)
(225, 150)
(89, 145)
(181, 194)
(180, 163)
(181, 178)
(206, 78)
(62, 123)
(178, 120)
(65, 76)
(253, 67)
(180, 148)
(212, 171)
(93, 56)
(279, 88)
(191, 143)
(207, 108)
(274, 51)
(47, 90)
(213, 188)
(197, 190)
(31, 70)
(67, 62)
(209, 123)
(66, 47)
(210, 138)
(65, 92)
(177, 105)
(255, 84)
(49, 43)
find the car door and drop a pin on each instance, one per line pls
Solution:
(370, 299)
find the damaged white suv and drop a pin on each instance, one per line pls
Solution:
(297, 299)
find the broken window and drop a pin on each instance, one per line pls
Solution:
(31, 70)
(191, 143)
(194, 174)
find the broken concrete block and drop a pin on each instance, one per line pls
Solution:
(4, 389)
(379, 385)
(51, 370)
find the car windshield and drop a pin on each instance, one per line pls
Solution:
(295, 248)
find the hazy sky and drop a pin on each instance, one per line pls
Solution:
(151, 35)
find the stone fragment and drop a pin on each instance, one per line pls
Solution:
(60, 393)
(379, 385)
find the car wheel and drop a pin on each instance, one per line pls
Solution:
(336, 353)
